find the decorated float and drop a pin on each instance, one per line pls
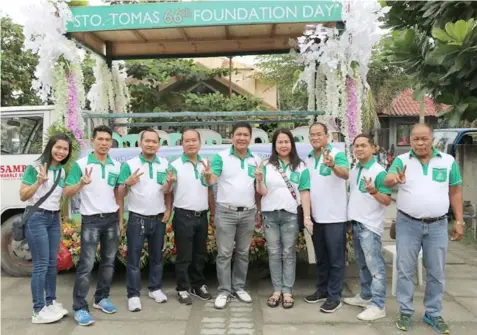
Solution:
(333, 39)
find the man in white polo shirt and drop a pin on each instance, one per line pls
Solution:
(428, 181)
(191, 227)
(329, 170)
(145, 180)
(95, 178)
(236, 212)
(366, 208)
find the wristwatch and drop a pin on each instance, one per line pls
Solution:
(462, 223)
(308, 217)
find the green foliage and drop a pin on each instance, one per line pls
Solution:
(387, 80)
(283, 71)
(436, 44)
(148, 78)
(17, 67)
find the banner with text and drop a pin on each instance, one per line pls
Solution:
(203, 13)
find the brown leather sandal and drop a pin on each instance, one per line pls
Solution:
(274, 300)
(288, 301)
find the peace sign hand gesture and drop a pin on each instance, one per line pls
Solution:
(134, 178)
(42, 175)
(328, 159)
(259, 173)
(369, 186)
(207, 170)
(401, 175)
(86, 178)
(171, 177)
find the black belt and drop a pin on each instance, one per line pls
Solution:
(423, 220)
(101, 215)
(190, 212)
(148, 217)
(46, 211)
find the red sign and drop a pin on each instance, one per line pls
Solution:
(12, 171)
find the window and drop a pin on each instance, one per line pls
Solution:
(22, 135)
(403, 132)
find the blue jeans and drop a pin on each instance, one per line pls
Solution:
(94, 230)
(138, 229)
(233, 226)
(42, 231)
(329, 241)
(370, 260)
(411, 236)
(281, 233)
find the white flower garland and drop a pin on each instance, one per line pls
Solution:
(340, 56)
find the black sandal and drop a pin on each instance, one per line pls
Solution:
(273, 301)
(288, 301)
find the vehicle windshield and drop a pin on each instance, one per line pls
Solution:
(443, 138)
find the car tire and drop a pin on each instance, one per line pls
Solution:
(15, 259)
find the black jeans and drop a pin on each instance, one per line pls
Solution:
(138, 229)
(190, 231)
(329, 241)
(94, 230)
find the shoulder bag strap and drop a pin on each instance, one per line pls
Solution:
(287, 182)
(43, 198)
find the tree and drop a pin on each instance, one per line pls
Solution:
(386, 80)
(283, 71)
(435, 42)
(17, 67)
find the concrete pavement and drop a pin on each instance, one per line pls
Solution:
(460, 306)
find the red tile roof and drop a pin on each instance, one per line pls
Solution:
(405, 105)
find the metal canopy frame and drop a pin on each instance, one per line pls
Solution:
(197, 29)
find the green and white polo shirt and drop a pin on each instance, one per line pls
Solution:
(362, 206)
(328, 192)
(53, 201)
(236, 178)
(98, 196)
(426, 191)
(146, 197)
(190, 189)
(278, 195)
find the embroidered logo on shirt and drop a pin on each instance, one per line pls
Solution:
(295, 177)
(112, 179)
(439, 174)
(325, 170)
(251, 171)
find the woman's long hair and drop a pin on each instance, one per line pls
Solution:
(294, 158)
(47, 157)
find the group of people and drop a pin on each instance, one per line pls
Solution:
(278, 192)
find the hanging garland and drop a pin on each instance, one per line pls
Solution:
(336, 64)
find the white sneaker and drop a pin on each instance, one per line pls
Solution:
(243, 296)
(372, 313)
(221, 301)
(134, 304)
(357, 301)
(159, 296)
(57, 308)
(46, 315)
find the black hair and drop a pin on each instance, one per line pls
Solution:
(422, 124)
(149, 130)
(46, 156)
(190, 129)
(294, 158)
(369, 137)
(241, 124)
(102, 129)
(325, 128)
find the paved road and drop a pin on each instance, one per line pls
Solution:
(460, 307)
